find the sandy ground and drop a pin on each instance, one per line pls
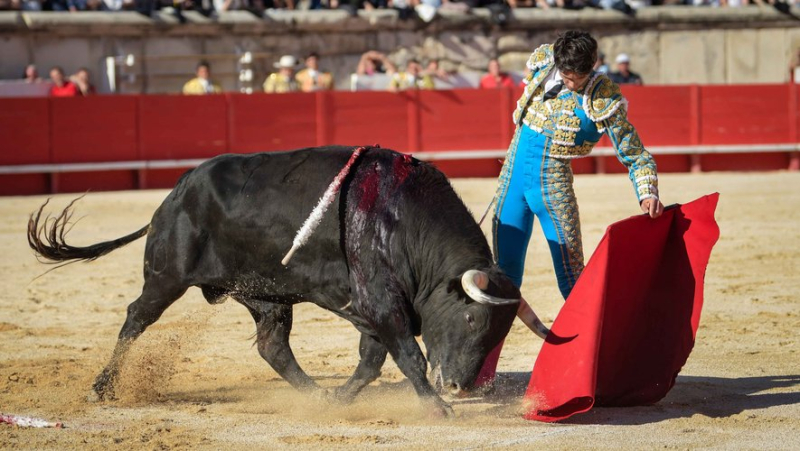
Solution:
(196, 381)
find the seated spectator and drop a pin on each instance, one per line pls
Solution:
(623, 75)
(31, 75)
(61, 87)
(55, 5)
(435, 71)
(495, 78)
(311, 78)
(202, 84)
(283, 80)
(600, 65)
(118, 5)
(373, 62)
(81, 79)
(352, 6)
(546, 4)
(222, 6)
(412, 78)
(84, 5)
(24, 5)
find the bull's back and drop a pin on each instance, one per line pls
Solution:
(238, 215)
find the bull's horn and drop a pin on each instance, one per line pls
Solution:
(474, 282)
(529, 318)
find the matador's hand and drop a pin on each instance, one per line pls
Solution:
(652, 206)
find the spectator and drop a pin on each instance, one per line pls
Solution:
(279, 4)
(412, 78)
(283, 80)
(546, 4)
(426, 9)
(434, 70)
(84, 5)
(222, 6)
(61, 87)
(82, 81)
(118, 5)
(31, 75)
(24, 5)
(55, 5)
(495, 78)
(600, 65)
(373, 62)
(623, 75)
(311, 78)
(202, 84)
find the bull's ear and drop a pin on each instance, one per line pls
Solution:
(454, 285)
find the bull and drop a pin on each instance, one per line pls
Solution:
(399, 256)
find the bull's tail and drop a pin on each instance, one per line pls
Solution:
(47, 238)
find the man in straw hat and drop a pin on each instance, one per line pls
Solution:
(283, 80)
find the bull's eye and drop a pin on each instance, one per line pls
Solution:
(470, 320)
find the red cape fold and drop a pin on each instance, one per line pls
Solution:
(630, 322)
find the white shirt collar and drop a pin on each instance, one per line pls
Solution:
(552, 79)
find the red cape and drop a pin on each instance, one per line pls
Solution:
(629, 323)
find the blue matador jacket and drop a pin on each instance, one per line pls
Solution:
(577, 120)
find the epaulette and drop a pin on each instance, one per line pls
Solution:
(602, 98)
(541, 57)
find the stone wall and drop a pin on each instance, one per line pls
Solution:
(667, 45)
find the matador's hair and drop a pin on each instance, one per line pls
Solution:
(575, 51)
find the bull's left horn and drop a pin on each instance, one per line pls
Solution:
(474, 282)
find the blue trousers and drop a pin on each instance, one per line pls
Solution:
(537, 185)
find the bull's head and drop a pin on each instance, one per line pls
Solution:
(473, 314)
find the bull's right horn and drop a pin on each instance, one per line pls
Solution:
(474, 282)
(529, 318)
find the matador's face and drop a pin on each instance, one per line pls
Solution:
(575, 81)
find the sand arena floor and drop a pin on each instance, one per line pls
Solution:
(195, 381)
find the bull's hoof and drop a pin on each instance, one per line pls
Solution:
(98, 394)
(342, 396)
(319, 394)
(445, 411)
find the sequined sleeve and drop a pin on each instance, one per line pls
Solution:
(631, 153)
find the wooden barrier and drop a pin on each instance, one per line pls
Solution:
(124, 142)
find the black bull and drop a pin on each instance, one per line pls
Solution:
(388, 256)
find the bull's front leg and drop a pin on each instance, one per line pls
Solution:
(412, 363)
(373, 355)
(274, 324)
(405, 351)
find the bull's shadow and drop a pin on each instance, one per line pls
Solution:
(715, 397)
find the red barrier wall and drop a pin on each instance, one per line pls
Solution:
(24, 139)
(139, 128)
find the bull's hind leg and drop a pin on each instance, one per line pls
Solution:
(144, 311)
(274, 324)
(373, 355)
